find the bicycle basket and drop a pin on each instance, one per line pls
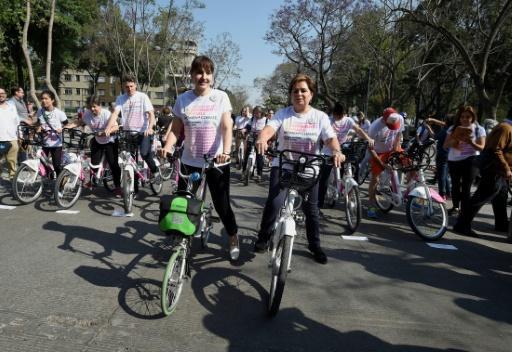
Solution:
(407, 161)
(354, 151)
(129, 141)
(30, 135)
(299, 171)
(180, 213)
(74, 140)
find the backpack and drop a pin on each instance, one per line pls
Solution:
(4, 148)
(180, 213)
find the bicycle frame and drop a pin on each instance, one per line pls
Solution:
(39, 163)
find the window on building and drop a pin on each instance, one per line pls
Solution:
(77, 78)
(101, 92)
(78, 91)
(68, 103)
(68, 91)
(159, 95)
(101, 79)
(67, 78)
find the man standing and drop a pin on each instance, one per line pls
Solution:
(9, 122)
(137, 114)
(17, 95)
(495, 167)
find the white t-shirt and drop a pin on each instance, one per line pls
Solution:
(341, 127)
(50, 122)
(301, 132)
(201, 117)
(258, 124)
(98, 123)
(365, 126)
(9, 121)
(241, 122)
(465, 150)
(134, 111)
(423, 133)
(384, 137)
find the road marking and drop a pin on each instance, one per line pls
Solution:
(355, 238)
(66, 211)
(7, 207)
(121, 213)
(442, 246)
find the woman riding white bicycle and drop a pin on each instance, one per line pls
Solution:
(299, 127)
(205, 115)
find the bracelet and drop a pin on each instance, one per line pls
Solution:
(228, 154)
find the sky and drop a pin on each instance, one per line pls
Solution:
(247, 21)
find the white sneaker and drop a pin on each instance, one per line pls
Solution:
(234, 250)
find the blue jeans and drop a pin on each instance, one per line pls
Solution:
(276, 199)
(443, 178)
(145, 144)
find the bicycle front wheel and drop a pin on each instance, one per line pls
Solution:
(67, 189)
(353, 209)
(166, 168)
(27, 184)
(247, 172)
(127, 192)
(429, 224)
(384, 198)
(279, 272)
(174, 277)
(156, 185)
(108, 180)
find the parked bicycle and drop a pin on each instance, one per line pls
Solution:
(240, 152)
(79, 170)
(166, 167)
(425, 208)
(251, 159)
(28, 182)
(297, 176)
(134, 170)
(346, 187)
(184, 215)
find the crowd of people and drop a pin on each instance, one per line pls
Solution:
(202, 119)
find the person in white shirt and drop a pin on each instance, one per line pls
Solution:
(300, 128)
(137, 114)
(255, 126)
(240, 129)
(205, 115)
(9, 121)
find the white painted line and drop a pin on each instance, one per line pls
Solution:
(121, 213)
(355, 238)
(7, 207)
(66, 211)
(442, 246)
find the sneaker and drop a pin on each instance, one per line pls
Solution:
(257, 178)
(260, 246)
(372, 213)
(118, 192)
(318, 254)
(234, 248)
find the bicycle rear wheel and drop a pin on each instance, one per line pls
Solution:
(383, 198)
(68, 188)
(127, 192)
(108, 180)
(172, 283)
(430, 226)
(27, 184)
(353, 209)
(156, 185)
(279, 273)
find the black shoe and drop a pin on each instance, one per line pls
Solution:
(453, 211)
(465, 232)
(318, 255)
(260, 246)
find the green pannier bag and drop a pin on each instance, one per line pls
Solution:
(179, 213)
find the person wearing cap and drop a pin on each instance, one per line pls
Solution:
(466, 139)
(495, 165)
(386, 132)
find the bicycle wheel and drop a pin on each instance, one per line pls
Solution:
(428, 225)
(108, 180)
(166, 168)
(362, 174)
(247, 172)
(27, 184)
(68, 188)
(353, 208)
(240, 162)
(172, 284)
(206, 226)
(330, 193)
(156, 185)
(279, 272)
(127, 192)
(383, 198)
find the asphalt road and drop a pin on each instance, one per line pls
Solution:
(90, 282)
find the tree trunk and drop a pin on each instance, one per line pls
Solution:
(24, 45)
(47, 79)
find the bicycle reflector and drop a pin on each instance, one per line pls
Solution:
(195, 176)
(303, 160)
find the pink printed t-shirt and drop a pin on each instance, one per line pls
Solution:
(134, 111)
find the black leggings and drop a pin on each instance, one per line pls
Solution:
(259, 159)
(218, 183)
(56, 154)
(462, 174)
(111, 155)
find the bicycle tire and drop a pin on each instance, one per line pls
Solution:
(206, 227)
(173, 286)
(127, 192)
(247, 172)
(383, 199)
(240, 158)
(353, 209)
(108, 180)
(23, 174)
(64, 196)
(156, 185)
(417, 205)
(166, 169)
(279, 273)
(362, 174)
